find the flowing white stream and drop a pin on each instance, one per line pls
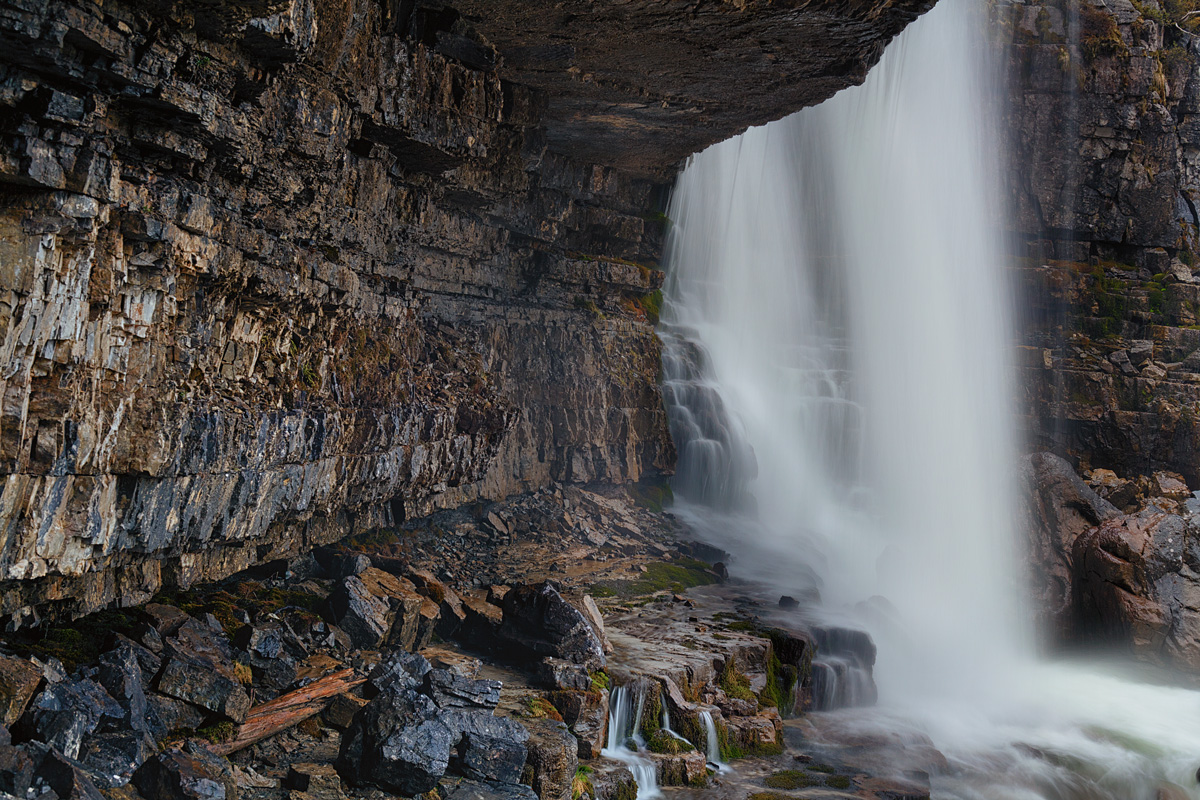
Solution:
(624, 724)
(836, 341)
(712, 745)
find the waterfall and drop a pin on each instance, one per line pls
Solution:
(712, 744)
(624, 721)
(837, 337)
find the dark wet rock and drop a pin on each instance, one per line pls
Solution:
(65, 712)
(482, 790)
(19, 680)
(496, 594)
(341, 565)
(148, 661)
(451, 612)
(482, 621)
(198, 668)
(374, 608)
(167, 714)
(16, 770)
(538, 619)
(451, 691)
(60, 774)
(120, 673)
(490, 748)
(787, 601)
(586, 715)
(397, 670)
(553, 756)
(163, 619)
(273, 651)
(613, 782)
(112, 758)
(592, 612)
(191, 772)
(398, 743)
(557, 673)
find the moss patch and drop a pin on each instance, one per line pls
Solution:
(660, 576)
(792, 779)
(663, 742)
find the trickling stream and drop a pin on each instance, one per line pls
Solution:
(836, 341)
(624, 725)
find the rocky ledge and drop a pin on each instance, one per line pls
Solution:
(402, 666)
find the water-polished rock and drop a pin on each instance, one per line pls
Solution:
(538, 619)
(191, 772)
(398, 743)
(451, 691)
(199, 669)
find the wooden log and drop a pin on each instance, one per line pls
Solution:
(290, 709)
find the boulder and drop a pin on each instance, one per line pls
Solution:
(274, 653)
(61, 775)
(553, 757)
(166, 714)
(759, 734)
(198, 668)
(590, 610)
(557, 673)
(398, 743)
(488, 748)
(1059, 508)
(680, 769)
(481, 790)
(120, 673)
(451, 691)
(539, 620)
(111, 759)
(450, 608)
(481, 622)
(586, 715)
(16, 770)
(19, 680)
(163, 619)
(375, 607)
(397, 670)
(1170, 485)
(65, 712)
(191, 772)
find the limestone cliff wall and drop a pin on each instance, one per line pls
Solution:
(272, 273)
(1105, 183)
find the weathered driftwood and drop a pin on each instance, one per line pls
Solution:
(290, 709)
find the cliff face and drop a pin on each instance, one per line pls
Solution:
(273, 273)
(1105, 181)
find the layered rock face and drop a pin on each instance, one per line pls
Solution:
(1104, 183)
(277, 272)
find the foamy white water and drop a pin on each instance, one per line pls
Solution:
(836, 369)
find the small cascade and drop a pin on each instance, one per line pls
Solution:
(842, 670)
(712, 744)
(624, 722)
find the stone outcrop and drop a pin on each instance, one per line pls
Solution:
(272, 273)
(1104, 185)
(1126, 579)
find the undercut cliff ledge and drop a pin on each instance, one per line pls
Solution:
(274, 273)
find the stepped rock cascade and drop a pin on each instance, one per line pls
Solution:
(837, 343)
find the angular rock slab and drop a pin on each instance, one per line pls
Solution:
(19, 680)
(188, 773)
(198, 669)
(539, 619)
(398, 743)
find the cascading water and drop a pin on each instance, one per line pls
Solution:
(624, 724)
(712, 745)
(836, 340)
